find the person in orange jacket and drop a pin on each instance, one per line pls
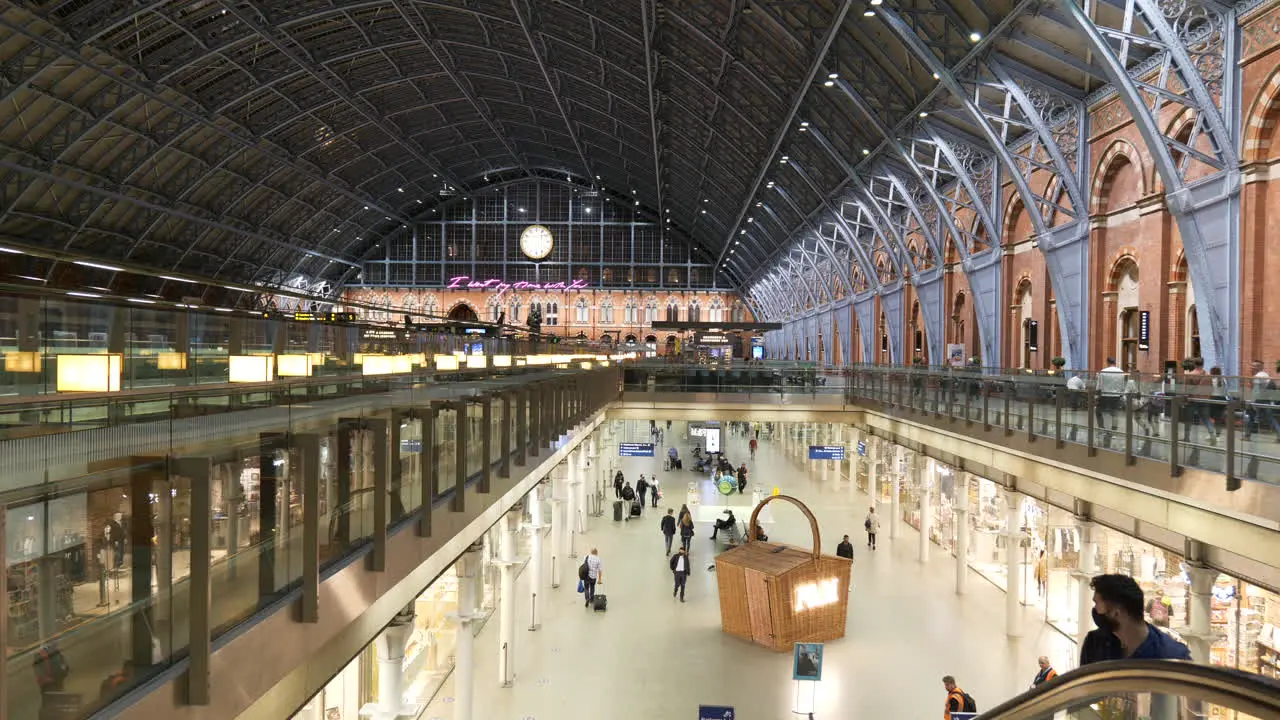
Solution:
(1046, 673)
(957, 700)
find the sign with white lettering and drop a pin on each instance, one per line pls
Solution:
(635, 449)
(715, 712)
(826, 452)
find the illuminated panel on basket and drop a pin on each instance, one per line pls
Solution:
(817, 594)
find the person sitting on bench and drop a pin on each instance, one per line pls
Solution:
(724, 523)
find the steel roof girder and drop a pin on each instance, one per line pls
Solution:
(979, 203)
(851, 238)
(815, 64)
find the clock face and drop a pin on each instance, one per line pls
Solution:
(536, 242)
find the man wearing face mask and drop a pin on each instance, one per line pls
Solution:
(1123, 631)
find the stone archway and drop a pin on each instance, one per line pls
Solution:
(463, 312)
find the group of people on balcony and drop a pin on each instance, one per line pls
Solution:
(1205, 397)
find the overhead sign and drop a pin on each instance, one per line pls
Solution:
(334, 317)
(712, 339)
(862, 448)
(411, 446)
(715, 712)
(635, 449)
(826, 452)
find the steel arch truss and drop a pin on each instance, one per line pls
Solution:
(1194, 75)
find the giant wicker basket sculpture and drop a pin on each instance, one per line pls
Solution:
(776, 595)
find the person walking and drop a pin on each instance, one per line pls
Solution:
(1046, 673)
(686, 528)
(668, 526)
(680, 570)
(642, 487)
(845, 548)
(872, 526)
(753, 445)
(1111, 384)
(617, 485)
(742, 478)
(653, 490)
(957, 700)
(595, 574)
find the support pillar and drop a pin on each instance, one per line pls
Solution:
(507, 598)
(873, 474)
(1087, 569)
(389, 703)
(895, 514)
(464, 667)
(962, 531)
(830, 439)
(925, 470)
(1013, 568)
(1200, 635)
(535, 555)
(198, 472)
(558, 483)
(573, 526)
(586, 459)
(851, 456)
(307, 449)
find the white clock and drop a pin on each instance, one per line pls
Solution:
(536, 242)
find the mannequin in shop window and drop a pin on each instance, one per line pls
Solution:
(1159, 608)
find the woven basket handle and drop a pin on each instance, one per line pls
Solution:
(813, 522)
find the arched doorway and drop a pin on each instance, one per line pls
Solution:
(1124, 283)
(463, 312)
(1022, 310)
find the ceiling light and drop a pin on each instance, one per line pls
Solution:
(828, 84)
(144, 301)
(366, 207)
(704, 212)
(637, 203)
(174, 279)
(74, 293)
(832, 76)
(11, 251)
(758, 204)
(742, 232)
(924, 114)
(975, 36)
(399, 189)
(751, 219)
(877, 2)
(705, 200)
(936, 76)
(99, 266)
(587, 210)
(597, 177)
(804, 123)
(521, 209)
(868, 13)
(633, 192)
(434, 175)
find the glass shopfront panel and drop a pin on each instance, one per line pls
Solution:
(989, 540)
(1059, 569)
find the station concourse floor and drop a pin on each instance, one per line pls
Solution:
(650, 656)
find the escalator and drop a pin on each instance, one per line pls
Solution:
(1146, 690)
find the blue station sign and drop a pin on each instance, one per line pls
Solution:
(715, 712)
(862, 448)
(635, 449)
(826, 452)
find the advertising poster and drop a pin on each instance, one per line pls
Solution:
(955, 354)
(807, 662)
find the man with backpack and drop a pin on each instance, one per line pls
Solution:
(957, 700)
(590, 573)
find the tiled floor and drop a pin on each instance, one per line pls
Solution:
(652, 657)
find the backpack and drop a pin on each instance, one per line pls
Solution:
(867, 525)
(584, 571)
(969, 705)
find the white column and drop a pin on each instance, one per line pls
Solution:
(574, 509)
(873, 459)
(851, 457)
(586, 459)
(1201, 600)
(1085, 573)
(535, 556)
(962, 531)
(464, 669)
(895, 514)
(389, 703)
(924, 470)
(1013, 571)
(507, 599)
(558, 490)
(813, 437)
(832, 439)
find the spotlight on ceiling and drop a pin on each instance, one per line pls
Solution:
(975, 36)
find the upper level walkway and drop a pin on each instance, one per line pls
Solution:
(1156, 467)
(151, 567)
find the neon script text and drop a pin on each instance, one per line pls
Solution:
(464, 282)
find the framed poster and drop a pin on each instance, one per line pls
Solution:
(807, 662)
(955, 354)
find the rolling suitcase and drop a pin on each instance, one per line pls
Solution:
(635, 508)
(599, 603)
(617, 511)
(679, 464)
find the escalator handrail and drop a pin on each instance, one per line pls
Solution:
(1245, 692)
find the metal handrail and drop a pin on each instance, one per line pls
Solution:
(1247, 693)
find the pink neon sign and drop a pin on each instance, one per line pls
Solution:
(464, 282)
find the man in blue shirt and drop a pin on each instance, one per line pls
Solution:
(1123, 631)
